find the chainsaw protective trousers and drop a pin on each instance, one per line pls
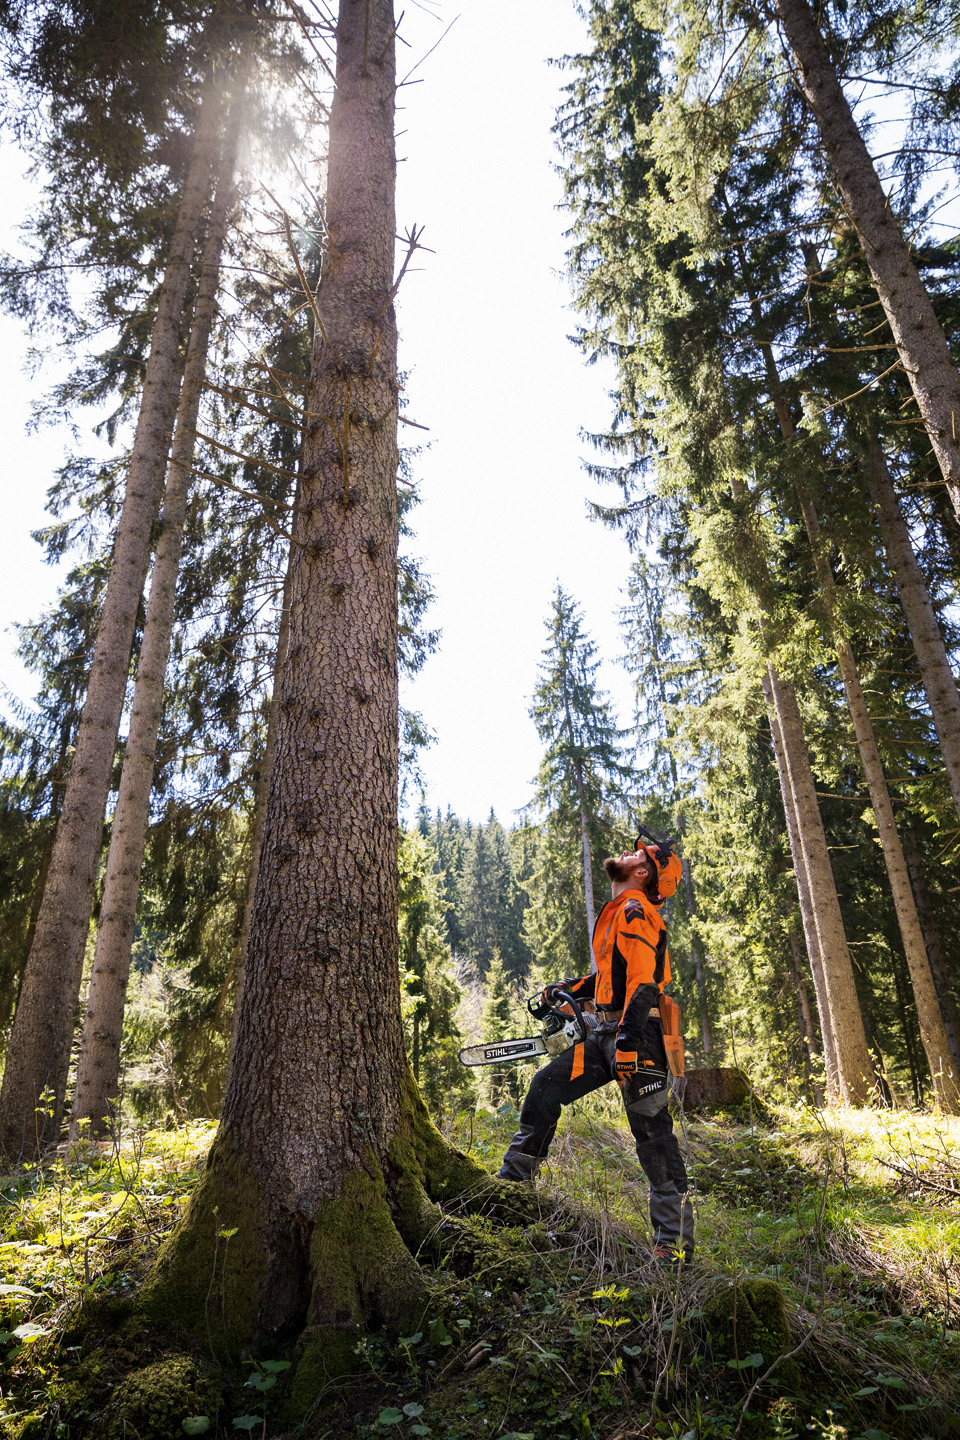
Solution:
(574, 1074)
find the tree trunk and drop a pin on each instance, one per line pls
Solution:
(921, 618)
(587, 856)
(936, 1045)
(918, 334)
(933, 1034)
(39, 1049)
(853, 1057)
(695, 954)
(325, 1151)
(807, 913)
(259, 819)
(98, 1068)
(931, 936)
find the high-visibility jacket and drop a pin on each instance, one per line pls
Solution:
(633, 964)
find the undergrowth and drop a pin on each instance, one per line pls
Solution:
(823, 1300)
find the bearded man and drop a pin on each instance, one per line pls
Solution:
(625, 1045)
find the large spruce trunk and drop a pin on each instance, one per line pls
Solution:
(39, 1050)
(314, 1197)
(916, 330)
(98, 1067)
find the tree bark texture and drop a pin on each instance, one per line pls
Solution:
(39, 1051)
(259, 820)
(98, 1068)
(807, 915)
(918, 334)
(314, 1096)
(931, 652)
(855, 1071)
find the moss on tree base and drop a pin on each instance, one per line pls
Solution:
(208, 1277)
(152, 1403)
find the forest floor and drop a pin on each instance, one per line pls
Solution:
(822, 1300)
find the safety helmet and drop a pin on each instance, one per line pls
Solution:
(667, 872)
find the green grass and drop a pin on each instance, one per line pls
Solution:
(850, 1214)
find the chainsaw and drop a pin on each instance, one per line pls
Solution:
(559, 1032)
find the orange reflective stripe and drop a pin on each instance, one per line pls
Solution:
(576, 1070)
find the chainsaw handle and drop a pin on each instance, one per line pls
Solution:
(563, 997)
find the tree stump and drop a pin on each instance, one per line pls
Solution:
(713, 1089)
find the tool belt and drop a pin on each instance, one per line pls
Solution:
(668, 1013)
(607, 1016)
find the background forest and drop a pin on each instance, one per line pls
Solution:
(764, 516)
(763, 251)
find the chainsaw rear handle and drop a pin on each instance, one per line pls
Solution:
(540, 1010)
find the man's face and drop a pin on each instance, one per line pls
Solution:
(633, 866)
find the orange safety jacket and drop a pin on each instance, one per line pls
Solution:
(633, 964)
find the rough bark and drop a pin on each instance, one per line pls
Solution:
(39, 1050)
(98, 1067)
(931, 652)
(323, 1156)
(807, 916)
(853, 1057)
(263, 793)
(931, 936)
(918, 334)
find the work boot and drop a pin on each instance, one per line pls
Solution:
(671, 1256)
(519, 1168)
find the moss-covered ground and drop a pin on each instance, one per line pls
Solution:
(824, 1299)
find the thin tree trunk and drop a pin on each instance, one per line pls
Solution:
(804, 1017)
(934, 946)
(39, 1050)
(932, 1031)
(853, 1056)
(903, 1002)
(807, 911)
(851, 1070)
(98, 1068)
(706, 1031)
(587, 856)
(938, 678)
(918, 334)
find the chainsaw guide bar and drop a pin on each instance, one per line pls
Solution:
(503, 1050)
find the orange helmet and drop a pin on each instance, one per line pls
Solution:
(668, 871)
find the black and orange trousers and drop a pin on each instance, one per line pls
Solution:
(574, 1074)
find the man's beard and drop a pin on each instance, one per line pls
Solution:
(620, 870)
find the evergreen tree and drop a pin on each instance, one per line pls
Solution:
(580, 779)
(504, 1017)
(314, 1134)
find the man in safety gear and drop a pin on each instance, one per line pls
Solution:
(626, 1045)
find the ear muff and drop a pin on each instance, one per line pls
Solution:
(668, 873)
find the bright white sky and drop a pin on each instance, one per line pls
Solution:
(484, 325)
